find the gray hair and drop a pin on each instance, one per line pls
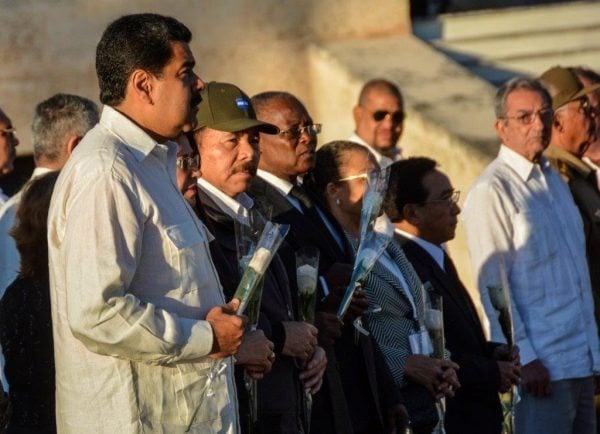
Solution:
(58, 118)
(513, 84)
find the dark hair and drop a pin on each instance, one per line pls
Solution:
(513, 84)
(406, 185)
(329, 160)
(379, 84)
(58, 118)
(31, 231)
(140, 41)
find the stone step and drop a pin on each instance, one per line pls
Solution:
(481, 24)
(497, 45)
(523, 45)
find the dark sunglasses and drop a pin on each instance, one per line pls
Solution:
(396, 117)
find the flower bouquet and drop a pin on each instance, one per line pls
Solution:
(374, 235)
(500, 300)
(307, 274)
(270, 240)
(434, 322)
(257, 241)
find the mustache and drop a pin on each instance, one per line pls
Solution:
(196, 99)
(243, 167)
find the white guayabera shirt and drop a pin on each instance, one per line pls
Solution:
(131, 282)
(522, 214)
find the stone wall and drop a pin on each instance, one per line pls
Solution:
(49, 46)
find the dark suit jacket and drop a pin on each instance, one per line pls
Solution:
(280, 391)
(476, 406)
(357, 381)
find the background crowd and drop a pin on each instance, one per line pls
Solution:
(119, 262)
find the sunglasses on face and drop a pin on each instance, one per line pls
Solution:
(396, 117)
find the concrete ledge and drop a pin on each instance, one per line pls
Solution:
(467, 25)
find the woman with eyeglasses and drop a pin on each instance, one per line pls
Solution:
(340, 180)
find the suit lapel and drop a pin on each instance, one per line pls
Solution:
(452, 289)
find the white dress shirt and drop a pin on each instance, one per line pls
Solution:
(522, 215)
(281, 185)
(236, 208)
(3, 197)
(382, 160)
(131, 283)
(9, 257)
(436, 252)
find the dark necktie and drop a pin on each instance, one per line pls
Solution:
(305, 201)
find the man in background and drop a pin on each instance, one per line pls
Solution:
(379, 120)
(58, 125)
(524, 230)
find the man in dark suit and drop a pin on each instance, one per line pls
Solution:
(227, 140)
(423, 206)
(358, 394)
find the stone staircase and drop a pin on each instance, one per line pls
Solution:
(499, 44)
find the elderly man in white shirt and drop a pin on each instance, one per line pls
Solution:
(141, 334)
(379, 120)
(523, 228)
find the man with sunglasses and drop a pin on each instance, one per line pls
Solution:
(573, 131)
(524, 231)
(379, 120)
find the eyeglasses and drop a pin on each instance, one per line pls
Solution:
(546, 115)
(451, 200)
(350, 178)
(396, 117)
(295, 132)
(5, 132)
(188, 163)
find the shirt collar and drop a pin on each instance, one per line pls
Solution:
(135, 138)
(233, 207)
(381, 159)
(521, 165)
(282, 185)
(39, 171)
(436, 252)
(570, 159)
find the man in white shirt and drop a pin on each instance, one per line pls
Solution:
(142, 336)
(523, 228)
(58, 125)
(8, 153)
(379, 120)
